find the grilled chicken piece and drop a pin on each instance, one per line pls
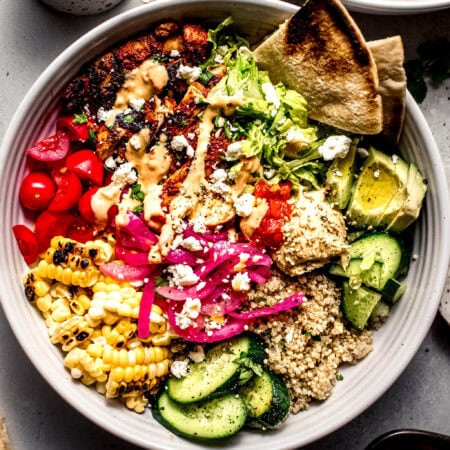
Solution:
(196, 41)
(112, 140)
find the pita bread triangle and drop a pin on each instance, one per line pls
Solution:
(321, 53)
(389, 58)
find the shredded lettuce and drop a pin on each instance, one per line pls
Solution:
(272, 119)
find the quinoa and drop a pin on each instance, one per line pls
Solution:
(306, 346)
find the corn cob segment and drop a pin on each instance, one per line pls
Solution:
(94, 319)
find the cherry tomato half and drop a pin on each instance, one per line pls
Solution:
(75, 130)
(52, 148)
(27, 241)
(37, 191)
(68, 192)
(82, 231)
(85, 205)
(50, 224)
(87, 165)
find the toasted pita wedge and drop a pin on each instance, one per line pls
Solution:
(321, 53)
(5, 443)
(389, 57)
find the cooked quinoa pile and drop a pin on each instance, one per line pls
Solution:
(307, 345)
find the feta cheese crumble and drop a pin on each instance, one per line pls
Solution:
(182, 275)
(335, 147)
(192, 244)
(270, 94)
(124, 174)
(180, 143)
(188, 73)
(240, 282)
(179, 369)
(234, 151)
(243, 205)
(191, 310)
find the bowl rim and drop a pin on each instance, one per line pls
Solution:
(99, 35)
(396, 7)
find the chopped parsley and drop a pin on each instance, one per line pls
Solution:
(205, 77)
(128, 118)
(339, 377)
(92, 136)
(79, 119)
(136, 192)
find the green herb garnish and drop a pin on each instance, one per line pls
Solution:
(79, 119)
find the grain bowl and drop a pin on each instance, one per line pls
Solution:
(394, 344)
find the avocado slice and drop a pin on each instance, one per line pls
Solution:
(397, 202)
(340, 177)
(376, 186)
(417, 189)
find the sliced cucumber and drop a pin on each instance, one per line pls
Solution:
(268, 400)
(358, 304)
(393, 290)
(370, 277)
(218, 373)
(211, 419)
(382, 248)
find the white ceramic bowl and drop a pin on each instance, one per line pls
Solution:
(395, 343)
(396, 6)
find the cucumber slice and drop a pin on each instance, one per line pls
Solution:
(212, 419)
(358, 304)
(218, 373)
(268, 400)
(370, 277)
(393, 290)
(382, 248)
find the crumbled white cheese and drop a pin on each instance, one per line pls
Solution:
(234, 151)
(192, 244)
(244, 205)
(269, 173)
(103, 115)
(394, 158)
(191, 136)
(124, 174)
(376, 173)
(220, 188)
(179, 368)
(335, 146)
(219, 175)
(363, 152)
(198, 354)
(191, 310)
(240, 282)
(137, 103)
(296, 135)
(189, 74)
(135, 142)
(110, 163)
(182, 275)
(174, 53)
(180, 143)
(198, 225)
(270, 94)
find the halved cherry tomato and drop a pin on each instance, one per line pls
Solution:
(52, 148)
(81, 231)
(85, 205)
(50, 224)
(37, 191)
(87, 165)
(75, 131)
(68, 192)
(27, 241)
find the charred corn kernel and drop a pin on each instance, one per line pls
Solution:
(70, 333)
(85, 278)
(80, 304)
(41, 288)
(136, 403)
(44, 303)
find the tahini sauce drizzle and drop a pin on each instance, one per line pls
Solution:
(146, 80)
